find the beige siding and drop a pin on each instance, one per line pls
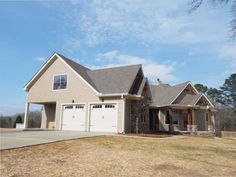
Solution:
(77, 90)
(48, 116)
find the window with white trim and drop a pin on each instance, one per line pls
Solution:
(60, 82)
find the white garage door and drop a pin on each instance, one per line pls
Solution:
(103, 118)
(73, 117)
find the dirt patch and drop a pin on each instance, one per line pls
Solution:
(123, 156)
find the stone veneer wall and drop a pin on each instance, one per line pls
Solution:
(139, 112)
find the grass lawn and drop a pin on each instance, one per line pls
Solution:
(123, 156)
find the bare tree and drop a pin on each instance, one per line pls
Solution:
(195, 4)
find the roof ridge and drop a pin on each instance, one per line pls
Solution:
(126, 66)
(183, 83)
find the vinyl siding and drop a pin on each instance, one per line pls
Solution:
(42, 92)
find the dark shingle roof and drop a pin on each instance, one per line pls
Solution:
(164, 94)
(81, 70)
(114, 80)
(108, 80)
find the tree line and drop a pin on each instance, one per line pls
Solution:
(224, 100)
(34, 120)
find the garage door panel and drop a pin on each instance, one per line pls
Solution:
(103, 118)
(73, 117)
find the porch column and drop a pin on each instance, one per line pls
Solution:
(194, 121)
(209, 120)
(26, 114)
(171, 128)
(189, 126)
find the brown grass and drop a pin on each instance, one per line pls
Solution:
(123, 156)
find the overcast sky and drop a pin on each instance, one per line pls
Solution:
(170, 43)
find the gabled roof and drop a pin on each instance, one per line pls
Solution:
(114, 80)
(164, 94)
(81, 70)
(198, 97)
(103, 81)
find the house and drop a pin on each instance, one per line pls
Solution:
(118, 100)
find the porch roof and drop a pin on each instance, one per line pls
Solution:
(165, 95)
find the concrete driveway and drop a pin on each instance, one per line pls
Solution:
(9, 140)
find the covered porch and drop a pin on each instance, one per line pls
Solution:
(48, 113)
(190, 119)
(185, 119)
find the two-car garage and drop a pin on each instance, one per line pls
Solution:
(101, 117)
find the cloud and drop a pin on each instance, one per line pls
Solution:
(113, 21)
(152, 70)
(41, 59)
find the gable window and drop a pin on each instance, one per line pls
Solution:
(60, 82)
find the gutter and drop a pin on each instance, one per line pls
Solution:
(122, 95)
(185, 106)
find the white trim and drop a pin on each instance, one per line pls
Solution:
(107, 102)
(124, 114)
(189, 83)
(61, 112)
(27, 105)
(122, 95)
(60, 75)
(45, 64)
(49, 60)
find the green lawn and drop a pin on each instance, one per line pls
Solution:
(124, 156)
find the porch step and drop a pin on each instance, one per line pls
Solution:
(199, 133)
(206, 133)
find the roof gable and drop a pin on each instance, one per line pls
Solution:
(164, 94)
(101, 81)
(201, 100)
(72, 65)
(186, 96)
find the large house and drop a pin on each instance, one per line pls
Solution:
(118, 99)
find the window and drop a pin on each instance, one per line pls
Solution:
(79, 107)
(175, 117)
(109, 106)
(68, 107)
(60, 82)
(97, 106)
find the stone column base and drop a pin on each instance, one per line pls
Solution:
(209, 128)
(189, 128)
(194, 128)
